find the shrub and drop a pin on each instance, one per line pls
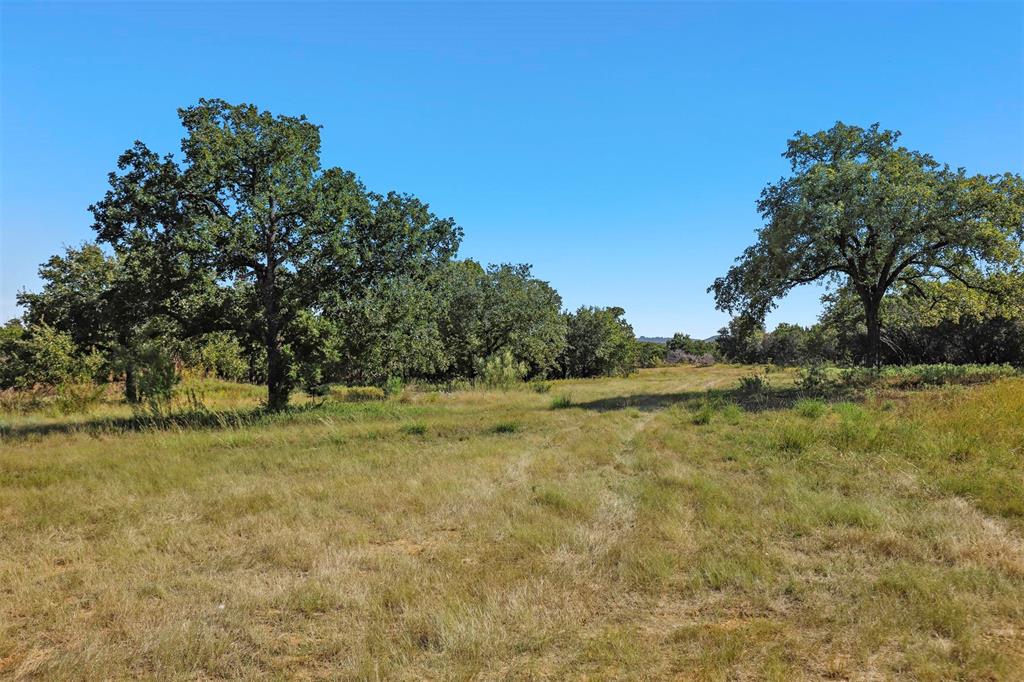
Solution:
(706, 360)
(677, 357)
(357, 394)
(814, 380)
(650, 354)
(43, 355)
(506, 427)
(859, 377)
(753, 385)
(77, 396)
(501, 371)
(941, 374)
(393, 386)
(156, 376)
(21, 400)
(910, 376)
(540, 386)
(692, 347)
(319, 390)
(222, 355)
(456, 385)
(561, 402)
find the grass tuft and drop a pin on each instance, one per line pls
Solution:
(414, 429)
(507, 427)
(810, 408)
(561, 402)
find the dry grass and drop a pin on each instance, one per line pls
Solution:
(643, 531)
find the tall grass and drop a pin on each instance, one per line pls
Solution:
(482, 534)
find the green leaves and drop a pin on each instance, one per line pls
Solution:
(248, 230)
(599, 342)
(869, 215)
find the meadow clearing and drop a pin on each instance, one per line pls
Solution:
(615, 528)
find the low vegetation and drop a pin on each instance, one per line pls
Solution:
(667, 524)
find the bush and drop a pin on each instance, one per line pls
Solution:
(753, 385)
(78, 396)
(501, 371)
(910, 376)
(939, 375)
(319, 390)
(540, 386)
(692, 347)
(43, 355)
(676, 357)
(650, 354)
(21, 400)
(706, 360)
(859, 377)
(357, 394)
(221, 355)
(456, 385)
(393, 386)
(814, 380)
(156, 376)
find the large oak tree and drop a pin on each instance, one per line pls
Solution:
(251, 205)
(862, 212)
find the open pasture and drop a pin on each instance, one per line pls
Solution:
(639, 528)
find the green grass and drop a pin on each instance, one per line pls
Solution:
(507, 427)
(414, 429)
(810, 408)
(483, 534)
(561, 402)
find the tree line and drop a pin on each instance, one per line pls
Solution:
(250, 260)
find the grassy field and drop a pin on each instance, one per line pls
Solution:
(637, 528)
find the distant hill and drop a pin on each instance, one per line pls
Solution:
(664, 339)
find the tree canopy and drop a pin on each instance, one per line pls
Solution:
(599, 341)
(247, 259)
(250, 206)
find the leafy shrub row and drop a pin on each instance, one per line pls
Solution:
(818, 380)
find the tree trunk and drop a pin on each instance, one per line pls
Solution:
(277, 384)
(131, 384)
(872, 318)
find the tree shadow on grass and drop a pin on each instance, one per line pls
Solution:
(771, 399)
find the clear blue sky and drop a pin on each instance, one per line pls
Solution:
(619, 148)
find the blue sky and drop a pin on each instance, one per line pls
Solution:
(619, 148)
